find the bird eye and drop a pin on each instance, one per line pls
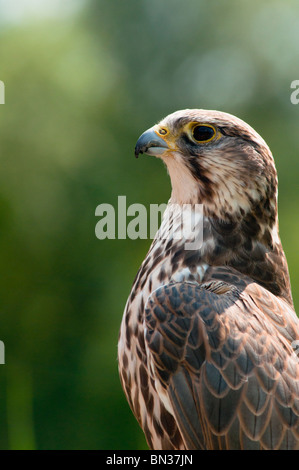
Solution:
(162, 131)
(203, 133)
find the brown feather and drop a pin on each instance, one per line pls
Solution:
(205, 348)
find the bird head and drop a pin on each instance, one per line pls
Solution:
(215, 159)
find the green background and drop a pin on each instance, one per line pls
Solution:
(83, 80)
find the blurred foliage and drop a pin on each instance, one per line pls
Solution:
(79, 91)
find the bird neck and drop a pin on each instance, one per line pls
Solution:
(185, 189)
(248, 245)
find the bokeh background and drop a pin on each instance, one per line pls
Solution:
(83, 79)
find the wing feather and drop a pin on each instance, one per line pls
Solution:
(223, 356)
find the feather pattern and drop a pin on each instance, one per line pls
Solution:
(206, 355)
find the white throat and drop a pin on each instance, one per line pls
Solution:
(184, 186)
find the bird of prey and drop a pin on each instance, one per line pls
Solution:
(207, 345)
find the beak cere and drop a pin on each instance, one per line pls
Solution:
(151, 143)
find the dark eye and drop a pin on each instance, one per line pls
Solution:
(203, 133)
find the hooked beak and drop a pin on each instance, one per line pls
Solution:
(151, 143)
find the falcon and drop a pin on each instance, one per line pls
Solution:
(207, 345)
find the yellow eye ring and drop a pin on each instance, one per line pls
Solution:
(203, 132)
(163, 131)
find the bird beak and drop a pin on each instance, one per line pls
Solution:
(151, 142)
